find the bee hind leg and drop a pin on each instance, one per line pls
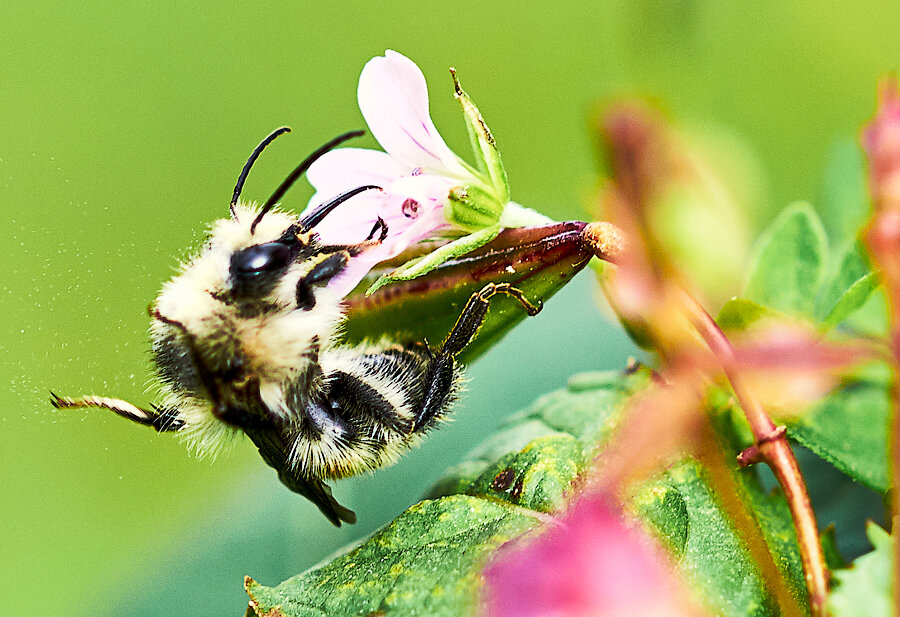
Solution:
(163, 420)
(442, 377)
(273, 448)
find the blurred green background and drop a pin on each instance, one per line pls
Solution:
(122, 129)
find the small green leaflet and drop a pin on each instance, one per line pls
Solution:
(789, 261)
(865, 588)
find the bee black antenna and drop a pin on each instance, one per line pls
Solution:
(253, 156)
(321, 211)
(299, 171)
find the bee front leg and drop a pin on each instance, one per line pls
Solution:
(163, 420)
(442, 374)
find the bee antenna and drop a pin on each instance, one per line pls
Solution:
(299, 171)
(322, 210)
(253, 156)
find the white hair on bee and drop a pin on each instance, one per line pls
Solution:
(275, 343)
(245, 339)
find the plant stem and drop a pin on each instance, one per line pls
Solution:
(771, 447)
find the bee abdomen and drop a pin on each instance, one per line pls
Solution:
(371, 399)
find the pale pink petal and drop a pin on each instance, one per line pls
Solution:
(401, 235)
(347, 168)
(593, 564)
(423, 187)
(404, 203)
(351, 221)
(393, 98)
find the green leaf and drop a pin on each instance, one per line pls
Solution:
(789, 259)
(849, 429)
(425, 562)
(774, 520)
(568, 424)
(853, 299)
(770, 509)
(865, 588)
(537, 260)
(738, 314)
(833, 558)
(428, 560)
(844, 198)
(847, 289)
(683, 509)
(538, 477)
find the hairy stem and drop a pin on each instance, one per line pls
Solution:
(772, 448)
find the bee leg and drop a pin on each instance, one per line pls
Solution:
(274, 451)
(442, 374)
(334, 264)
(163, 420)
(321, 273)
(475, 311)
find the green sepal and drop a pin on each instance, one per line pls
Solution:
(537, 260)
(425, 264)
(473, 208)
(485, 148)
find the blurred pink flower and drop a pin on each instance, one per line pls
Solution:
(416, 171)
(881, 141)
(593, 564)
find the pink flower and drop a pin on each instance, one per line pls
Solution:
(417, 171)
(592, 565)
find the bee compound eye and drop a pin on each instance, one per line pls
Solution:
(261, 258)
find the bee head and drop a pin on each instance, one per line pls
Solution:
(230, 331)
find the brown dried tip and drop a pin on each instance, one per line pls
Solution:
(604, 240)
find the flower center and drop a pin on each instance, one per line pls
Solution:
(410, 208)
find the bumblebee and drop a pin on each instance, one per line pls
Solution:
(245, 339)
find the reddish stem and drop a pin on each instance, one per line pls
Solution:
(771, 447)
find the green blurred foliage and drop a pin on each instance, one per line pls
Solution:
(865, 589)
(122, 129)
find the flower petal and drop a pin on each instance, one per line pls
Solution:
(347, 168)
(594, 563)
(393, 98)
(352, 221)
(412, 209)
(404, 204)
(397, 241)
